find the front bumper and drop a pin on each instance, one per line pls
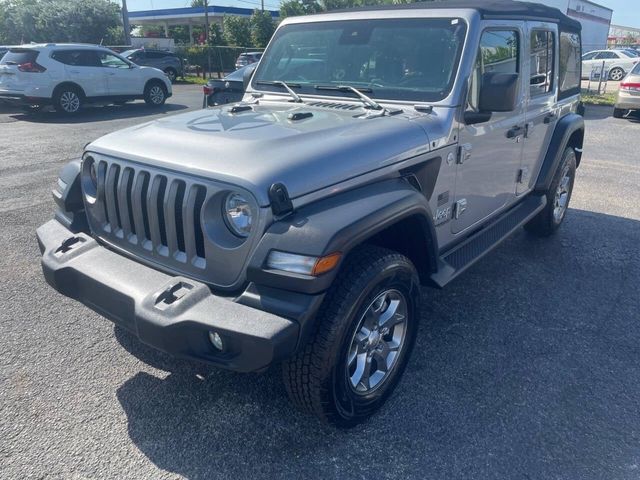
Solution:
(172, 314)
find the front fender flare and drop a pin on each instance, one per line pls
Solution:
(338, 224)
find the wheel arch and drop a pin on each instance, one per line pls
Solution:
(68, 83)
(152, 81)
(569, 131)
(390, 214)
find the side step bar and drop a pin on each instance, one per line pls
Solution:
(455, 261)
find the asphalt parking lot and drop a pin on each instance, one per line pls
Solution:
(527, 367)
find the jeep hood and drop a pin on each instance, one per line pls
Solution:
(255, 148)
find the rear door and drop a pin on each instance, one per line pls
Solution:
(83, 67)
(542, 111)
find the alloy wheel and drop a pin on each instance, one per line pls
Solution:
(377, 342)
(70, 102)
(563, 192)
(156, 94)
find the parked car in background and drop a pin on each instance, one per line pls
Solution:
(225, 90)
(617, 62)
(247, 59)
(163, 60)
(628, 94)
(69, 75)
(630, 51)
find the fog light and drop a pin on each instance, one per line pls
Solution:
(216, 340)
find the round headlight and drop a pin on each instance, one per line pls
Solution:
(238, 215)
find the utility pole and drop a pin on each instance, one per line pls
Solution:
(206, 21)
(125, 23)
(206, 36)
(262, 4)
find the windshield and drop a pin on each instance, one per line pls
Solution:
(393, 59)
(127, 53)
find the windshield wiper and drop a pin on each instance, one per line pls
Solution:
(286, 86)
(369, 102)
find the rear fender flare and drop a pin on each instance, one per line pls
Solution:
(569, 131)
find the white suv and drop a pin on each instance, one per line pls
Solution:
(68, 76)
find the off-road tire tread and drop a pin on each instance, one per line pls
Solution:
(303, 373)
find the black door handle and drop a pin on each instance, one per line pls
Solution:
(550, 118)
(515, 132)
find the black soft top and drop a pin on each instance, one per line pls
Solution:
(495, 9)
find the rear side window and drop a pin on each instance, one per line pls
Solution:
(18, 56)
(570, 69)
(542, 61)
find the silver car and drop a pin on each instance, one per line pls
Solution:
(375, 153)
(628, 94)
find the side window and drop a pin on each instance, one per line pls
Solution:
(111, 61)
(542, 61)
(589, 56)
(498, 52)
(570, 64)
(87, 58)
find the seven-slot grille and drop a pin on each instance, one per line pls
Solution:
(148, 212)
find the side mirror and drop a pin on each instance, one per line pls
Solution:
(498, 92)
(246, 76)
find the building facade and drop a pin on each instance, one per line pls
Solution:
(620, 36)
(595, 20)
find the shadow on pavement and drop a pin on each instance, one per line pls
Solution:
(525, 367)
(95, 113)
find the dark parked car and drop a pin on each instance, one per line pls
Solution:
(247, 59)
(163, 60)
(225, 90)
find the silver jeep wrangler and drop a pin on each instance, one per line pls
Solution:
(376, 151)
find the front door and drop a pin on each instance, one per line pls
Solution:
(491, 152)
(122, 78)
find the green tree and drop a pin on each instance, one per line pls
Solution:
(294, 8)
(88, 21)
(262, 28)
(237, 31)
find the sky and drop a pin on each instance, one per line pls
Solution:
(625, 12)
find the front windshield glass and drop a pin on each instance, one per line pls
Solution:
(389, 59)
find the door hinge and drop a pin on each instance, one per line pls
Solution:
(459, 208)
(464, 153)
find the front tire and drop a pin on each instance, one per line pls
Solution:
(68, 100)
(558, 196)
(364, 334)
(155, 94)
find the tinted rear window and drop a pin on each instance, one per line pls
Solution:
(636, 70)
(18, 56)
